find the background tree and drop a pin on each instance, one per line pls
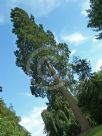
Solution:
(89, 90)
(95, 16)
(0, 89)
(9, 122)
(81, 67)
(90, 98)
(44, 60)
(93, 103)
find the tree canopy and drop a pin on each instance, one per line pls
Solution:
(35, 45)
(95, 16)
(90, 97)
(44, 60)
(9, 122)
(58, 118)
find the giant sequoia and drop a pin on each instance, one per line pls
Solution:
(45, 61)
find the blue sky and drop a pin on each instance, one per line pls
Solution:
(68, 20)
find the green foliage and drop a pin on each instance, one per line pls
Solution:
(59, 119)
(88, 89)
(9, 122)
(90, 97)
(39, 56)
(35, 45)
(97, 131)
(82, 68)
(95, 16)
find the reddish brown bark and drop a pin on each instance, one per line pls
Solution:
(84, 124)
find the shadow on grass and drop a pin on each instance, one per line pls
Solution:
(96, 131)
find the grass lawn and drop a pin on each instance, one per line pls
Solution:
(97, 131)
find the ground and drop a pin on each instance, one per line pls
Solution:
(97, 131)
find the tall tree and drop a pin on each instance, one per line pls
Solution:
(95, 16)
(9, 122)
(45, 61)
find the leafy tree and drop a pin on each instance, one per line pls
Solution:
(95, 16)
(9, 122)
(90, 97)
(45, 61)
(81, 72)
(89, 90)
(82, 68)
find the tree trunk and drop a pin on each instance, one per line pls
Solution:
(84, 124)
(76, 110)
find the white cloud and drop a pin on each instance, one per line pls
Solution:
(33, 122)
(73, 52)
(56, 37)
(2, 19)
(67, 1)
(35, 7)
(96, 47)
(41, 7)
(99, 64)
(85, 6)
(75, 38)
(27, 94)
(94, 40)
